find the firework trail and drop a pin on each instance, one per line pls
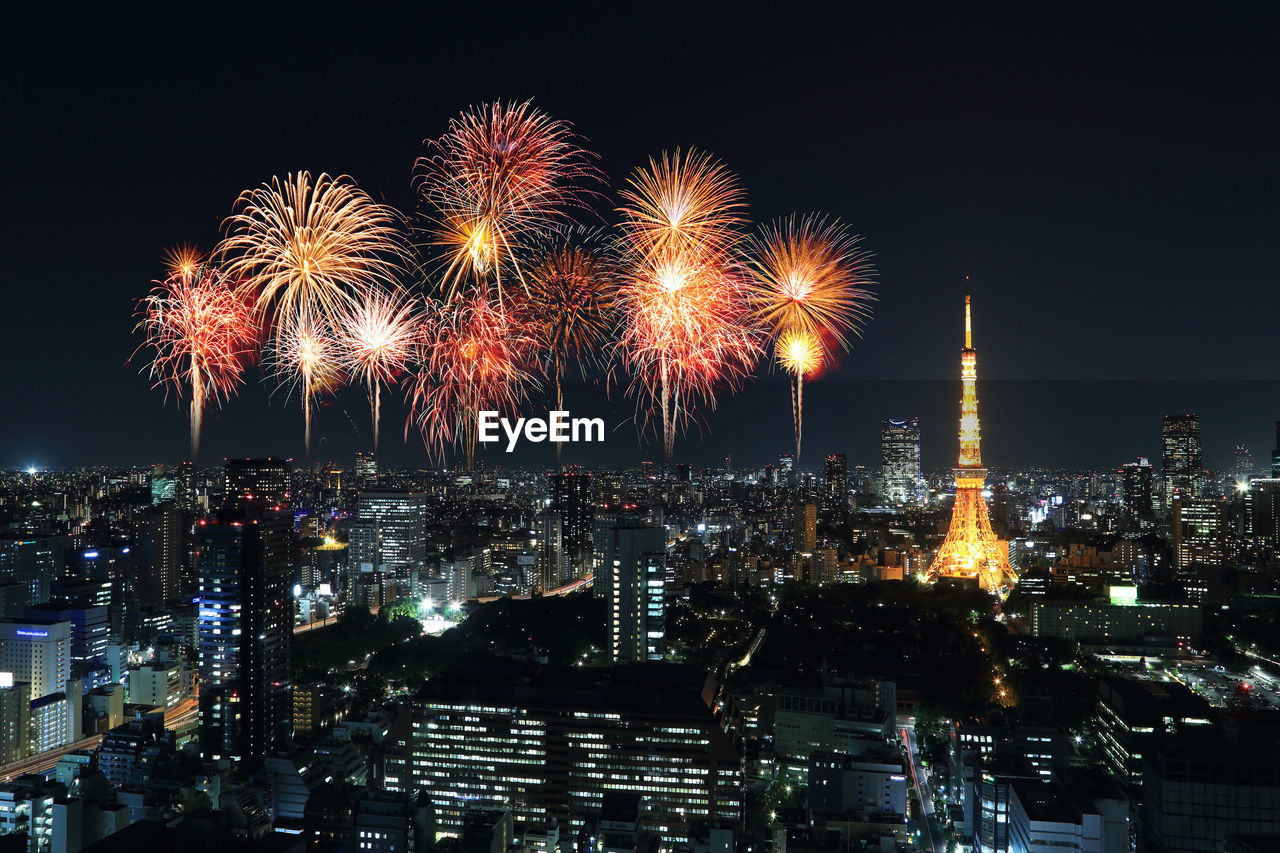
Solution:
(810, 291)
(472, 356)
(501, 175)
(687, 330)
(376, 338)
(306, 356)
(202, 334)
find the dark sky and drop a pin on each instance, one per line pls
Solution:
(1108, 179)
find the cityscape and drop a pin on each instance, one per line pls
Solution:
(458, 505)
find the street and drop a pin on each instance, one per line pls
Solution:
(920, 777)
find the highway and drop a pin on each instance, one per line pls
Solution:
(179, 716)
(920, 777)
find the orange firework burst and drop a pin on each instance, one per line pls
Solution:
(183, 261)
(203, 335)
(500, 175)
(306, 354)
(472, 357)
(689, 203)
(569, 304)
(810, 288)
(376, 338)
(307, 248)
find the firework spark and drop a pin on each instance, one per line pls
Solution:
(183, 261)
(810, 291)
(308, 247)
(569, 304)
(472, 357)
(686, 204)
(307, 356)
(202, 334)
(376, 339)
(500, 175)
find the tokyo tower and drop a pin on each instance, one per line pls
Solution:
(971, 549)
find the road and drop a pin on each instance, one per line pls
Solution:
(920, 777)
(179, 716)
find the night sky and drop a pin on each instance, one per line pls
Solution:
(1109, 180)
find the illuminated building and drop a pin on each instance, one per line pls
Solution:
(36, 652)
(1136, 494)
(636, 615)
(1116, 621)
(1244, 464)
(971, 549)
(29, 561)
(1262, 511)
(245, 634)
(835, 477)
(1199, 531)
(260, 482)
(1182, 463)
(399, 533)
(366, 468)
(549, 743)
(900, 460)
(571, 500)
(160, 541)
(1131, 716)
(804, 528)
(552, 563)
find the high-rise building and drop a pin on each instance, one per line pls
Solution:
(636, 614)
(400, 528)
(552, 562)
(89, 632)
(1136, 493)
(1199, 531)
(971, 549)
(1243, 465)
(160, 541)
(245, 634)
(549, 743)
(1275, 454)
(36, 652)
(366, 468)
(835, 477)
(603, 521)
(900, 460)
(1182, 462)
(571, 500)
(30, 562)
(1262, 511)
(257, 482)
(804, 528)
(185, 492)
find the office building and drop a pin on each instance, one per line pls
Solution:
(1136, 494)
(366, 468)
(1116, 620)
(866, 784)
(15, 722)
(900, 460)
(36, 652)
(1182, 460)
(1199, 531)
(245, 634)
(571, 499)
(399, 530)
(636, 614)
(835, 480)
(1130, 717)
(1262, 511)
(159, 542)
(549, 743)
(30, 562)
(804, 528)
(553, 564)
(257, 482)
(90, 630)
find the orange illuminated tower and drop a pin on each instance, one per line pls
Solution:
(971, 549)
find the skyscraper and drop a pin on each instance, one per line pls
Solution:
(636, 616)
(1262, 511)
(366, 469)
(571, 500)
(971, 549)
(1199, 531)
(1182, 462)
(804, 528)
(160, 540)
(1136, 494)
(400, 528)
(835, 477)
(245, 633)
(259, 482)
(552, 564)
(900, 460)
(1275, 454)
(1244, 465)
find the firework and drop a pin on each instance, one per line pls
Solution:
(307, 357)
(499, 176)
(202, 334)
(686, 204)
(308, 247)
(376, 338)
(183, 261)
(569, 303)
(472, 356)
(810, 291)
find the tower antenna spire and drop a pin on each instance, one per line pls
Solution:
(968, 321)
